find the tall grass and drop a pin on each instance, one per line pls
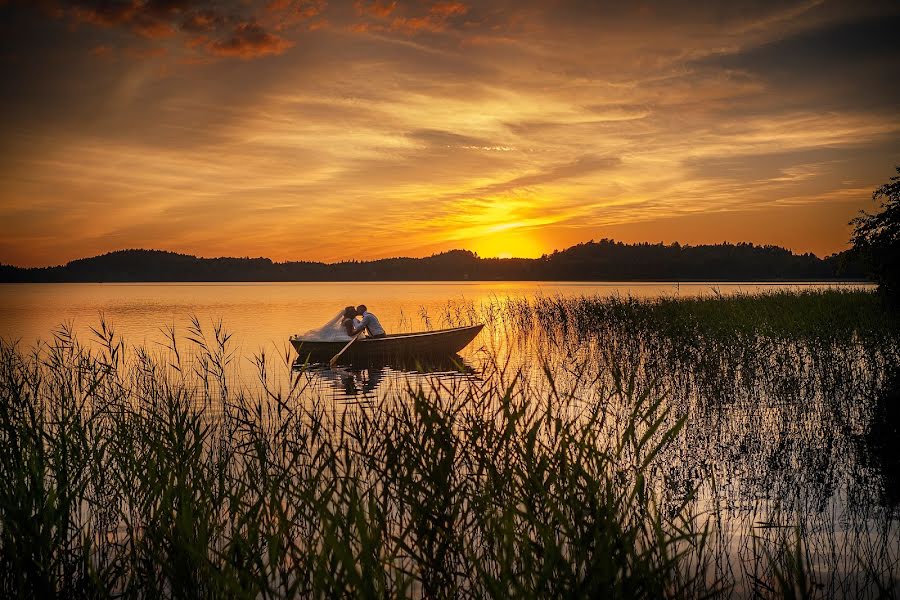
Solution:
(787, 397)
(132, 474)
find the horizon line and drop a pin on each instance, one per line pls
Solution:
(554, 251)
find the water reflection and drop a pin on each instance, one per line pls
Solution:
(360, 383)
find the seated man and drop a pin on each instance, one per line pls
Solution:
(369, 322)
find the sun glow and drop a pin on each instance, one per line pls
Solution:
(507, 245)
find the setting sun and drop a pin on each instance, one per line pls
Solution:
(507, 245)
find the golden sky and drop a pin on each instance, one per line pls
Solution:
(325, 130)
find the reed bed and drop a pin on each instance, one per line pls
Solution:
(791, 400)
(607, 447)
(129, 475)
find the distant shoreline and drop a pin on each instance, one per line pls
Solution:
(603, 261)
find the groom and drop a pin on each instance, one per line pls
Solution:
(369, 322)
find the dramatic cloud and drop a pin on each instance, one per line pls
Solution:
(153, 18)
(202, 21)
(289, 14)
(437, 18)
(299, 128)
(376, 8)
(249, 40)
(222, 29)
(840, 66)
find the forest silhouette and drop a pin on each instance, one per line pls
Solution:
(606, 260)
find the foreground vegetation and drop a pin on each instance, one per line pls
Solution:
(579, 463)
(119, 480)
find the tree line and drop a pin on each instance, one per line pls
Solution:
(604, 260)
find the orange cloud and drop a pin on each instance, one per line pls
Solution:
(290, 13)
(202, 20)
(448, 9)
(249, 40)
(436, 20)
(234, 35)
(199, 41)
(150, 23)
(375, 8)
(365, 27)
(154, 29)
(115, 14)
(413, 25)
(300, 9)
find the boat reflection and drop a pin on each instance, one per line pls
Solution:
(361, 382)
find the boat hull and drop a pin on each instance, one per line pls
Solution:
(443, 342)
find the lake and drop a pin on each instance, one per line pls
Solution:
(787, 400)
(264, 315)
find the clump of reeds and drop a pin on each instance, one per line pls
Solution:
(782, 391)
(130, 473)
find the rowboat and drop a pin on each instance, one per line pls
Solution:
(423, 344)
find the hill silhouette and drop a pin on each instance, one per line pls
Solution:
(606, 260)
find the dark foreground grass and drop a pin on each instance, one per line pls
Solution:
(791, 401)
(129, 473)
(126, 476)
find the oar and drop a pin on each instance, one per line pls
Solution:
(335, 358)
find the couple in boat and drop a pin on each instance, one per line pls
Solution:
(367, 322)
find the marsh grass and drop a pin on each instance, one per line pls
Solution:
(607, 447)
(134, 474)
(788, 399)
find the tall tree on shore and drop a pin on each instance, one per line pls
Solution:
(877, 237)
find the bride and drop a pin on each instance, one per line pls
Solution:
(339, 328)
(348, 321)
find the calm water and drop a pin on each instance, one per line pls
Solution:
(264, 315)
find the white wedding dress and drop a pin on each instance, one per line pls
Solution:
(329, 332)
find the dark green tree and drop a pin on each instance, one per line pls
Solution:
(877, 237)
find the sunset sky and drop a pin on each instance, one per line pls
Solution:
(327, 130)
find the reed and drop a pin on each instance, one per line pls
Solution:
(132, 474)
(789, 398)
